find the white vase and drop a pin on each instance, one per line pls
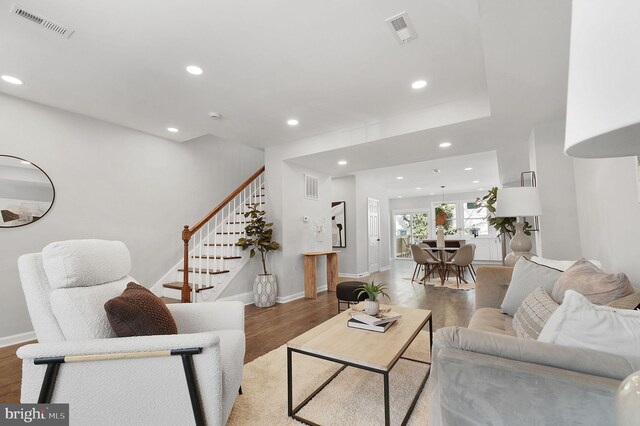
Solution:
(371, 308)
(265, 290)
(440, 237)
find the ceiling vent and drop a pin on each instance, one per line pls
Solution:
(42, 21)
(402, 28)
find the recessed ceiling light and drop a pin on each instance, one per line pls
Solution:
(25, 162)
(419, 84)
(466, 169)
(400, 177)
(432, 193)
(194, 69)
(445, 145)
(399, 196)
(435, 170)
(172, 129)
(342, 162)
(11, 79)
(418, 188)
(292, 122)
(480, 189)
(476, 181)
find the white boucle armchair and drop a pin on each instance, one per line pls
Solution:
(131, 380)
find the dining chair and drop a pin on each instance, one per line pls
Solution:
(461, 260)
(424, 258)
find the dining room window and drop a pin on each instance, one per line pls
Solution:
(475, 220)
(445, 214)
(411, 228)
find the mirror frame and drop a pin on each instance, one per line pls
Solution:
(53, 188)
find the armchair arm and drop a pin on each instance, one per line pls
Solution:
(202, 317)
(491, 285)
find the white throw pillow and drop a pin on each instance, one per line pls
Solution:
(579, 323)
(562, 265)
(533, 314)
(83, 263)
(527, 276)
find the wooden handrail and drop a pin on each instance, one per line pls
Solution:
(187, 232)
(224, 202)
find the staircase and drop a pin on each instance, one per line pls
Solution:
(211, 259)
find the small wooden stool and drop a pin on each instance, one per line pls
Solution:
(346, 293)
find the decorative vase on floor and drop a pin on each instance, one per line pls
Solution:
(371, 307)
(265, 290)
(440, 237)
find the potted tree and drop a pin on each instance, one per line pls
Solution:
(258, 238)
(374, 291)
(505, 226)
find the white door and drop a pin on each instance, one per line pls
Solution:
(373, 221)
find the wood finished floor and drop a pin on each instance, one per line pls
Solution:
(268, 328)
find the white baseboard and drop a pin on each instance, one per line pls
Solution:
(360, 275)
(246, 298)
(386, 268)
(296, 296)
(17, 338)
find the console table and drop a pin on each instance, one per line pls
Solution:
(311, 273)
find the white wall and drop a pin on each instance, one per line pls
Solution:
(609, 213)
(111, 183)
(344, 189)
(559, 236)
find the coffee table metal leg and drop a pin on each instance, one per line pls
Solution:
(430, 336)
(387, 414)
(289, 383)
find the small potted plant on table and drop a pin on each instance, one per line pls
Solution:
(374, 291)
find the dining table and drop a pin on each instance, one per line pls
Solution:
(442, 256)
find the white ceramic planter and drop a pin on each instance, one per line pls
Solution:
(265, 290)
(371, 308)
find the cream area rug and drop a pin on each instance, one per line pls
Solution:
(449, 283)
(354, 397)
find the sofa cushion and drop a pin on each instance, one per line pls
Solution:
(580, 323)
(82, 263)
(492, 320)
(533, 314)
(562, 265)
(139, 312)
(80, 310)
(527, 276)
(589, 280)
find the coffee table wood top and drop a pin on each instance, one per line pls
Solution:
(334, 339)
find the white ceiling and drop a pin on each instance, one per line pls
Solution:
(330, 64)
(452, 175)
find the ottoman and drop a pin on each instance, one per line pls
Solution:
(345, 292)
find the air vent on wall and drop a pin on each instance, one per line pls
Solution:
(311, 185)
(402, 27)
(42, 21)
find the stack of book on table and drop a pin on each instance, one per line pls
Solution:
(379, 323)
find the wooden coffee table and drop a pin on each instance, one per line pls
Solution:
(334, 341)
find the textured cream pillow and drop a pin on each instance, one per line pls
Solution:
(533, 314)
(581, 324)
(589, 280)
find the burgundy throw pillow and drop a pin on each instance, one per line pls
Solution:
(139, 312)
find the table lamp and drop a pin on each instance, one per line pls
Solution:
(518, 202)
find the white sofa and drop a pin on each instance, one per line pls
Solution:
(66, 287)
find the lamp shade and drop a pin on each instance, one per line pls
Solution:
(519, 201)
(603, 96)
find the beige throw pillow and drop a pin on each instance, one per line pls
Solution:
(533, 314)
(597, 286)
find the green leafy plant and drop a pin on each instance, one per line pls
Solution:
(504, 225)
(373, 290)
(258, 235)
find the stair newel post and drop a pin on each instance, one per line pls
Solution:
(186, 237)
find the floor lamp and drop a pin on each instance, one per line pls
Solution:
(518, 202)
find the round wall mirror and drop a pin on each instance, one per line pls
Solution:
(26, 192)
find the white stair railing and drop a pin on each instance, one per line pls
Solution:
(213, 239)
